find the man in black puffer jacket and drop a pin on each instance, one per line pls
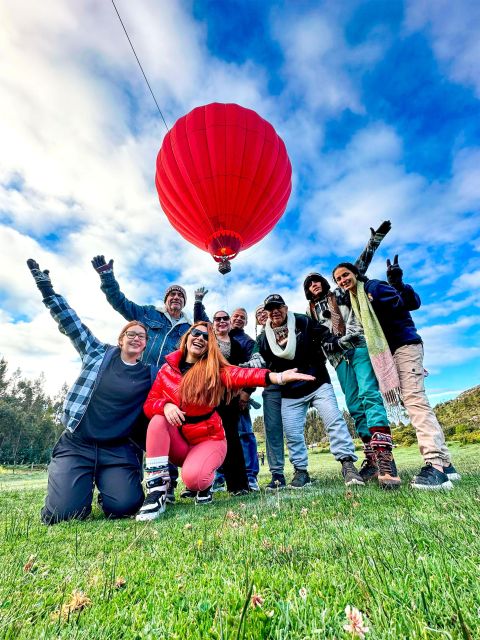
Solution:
(294, 340)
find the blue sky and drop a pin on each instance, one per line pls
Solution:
(377, 102)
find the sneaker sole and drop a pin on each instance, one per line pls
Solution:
(355, 483)
(202, 503)
(304, 486)
(454, 476)
(446, 486)
(389, 484)
(279, 488)
(219, 490)
(146, 517)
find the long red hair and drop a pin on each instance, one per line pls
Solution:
(202, 384)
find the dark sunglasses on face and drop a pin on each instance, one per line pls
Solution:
(221, 319)
(196, 333)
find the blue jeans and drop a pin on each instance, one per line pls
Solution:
(362, 396)
(272, 419)
(294, 411)
(249, 445)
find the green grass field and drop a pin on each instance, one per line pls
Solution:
(408, 560)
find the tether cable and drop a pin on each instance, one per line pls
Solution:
(140, 65)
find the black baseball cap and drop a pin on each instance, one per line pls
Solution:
(272, 301)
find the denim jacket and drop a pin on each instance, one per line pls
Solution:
(163, 338)
(95, 356)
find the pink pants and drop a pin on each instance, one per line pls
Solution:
(198, 461)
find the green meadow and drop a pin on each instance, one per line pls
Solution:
(281, 566)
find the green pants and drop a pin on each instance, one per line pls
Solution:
(360, 386)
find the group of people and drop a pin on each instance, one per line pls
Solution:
(192, 384)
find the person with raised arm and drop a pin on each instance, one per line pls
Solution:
(396, 353)
(103, 418)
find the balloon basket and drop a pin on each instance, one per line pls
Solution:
(225, 267)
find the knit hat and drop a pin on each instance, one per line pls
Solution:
(317, 277)
(179, 289)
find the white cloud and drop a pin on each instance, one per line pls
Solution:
(453, 27)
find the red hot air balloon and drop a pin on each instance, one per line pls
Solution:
(223, 178)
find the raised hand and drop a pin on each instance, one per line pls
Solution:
(200, 293)
(42, 278)
(394, 273)
(101, 266)
(382, 230)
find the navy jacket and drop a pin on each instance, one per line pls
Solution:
(392, 309)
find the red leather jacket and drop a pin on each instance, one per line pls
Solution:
(166, 387)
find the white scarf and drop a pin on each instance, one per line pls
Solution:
(289, 352)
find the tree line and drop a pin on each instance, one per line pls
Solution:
(29, 418)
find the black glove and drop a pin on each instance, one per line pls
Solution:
(100, 266)
(382, 230)
(394, 273)
(200, 293)
(42, 278)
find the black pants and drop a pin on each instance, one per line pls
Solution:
(234, 464)
(77, 466)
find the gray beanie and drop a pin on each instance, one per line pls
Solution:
(176, 287)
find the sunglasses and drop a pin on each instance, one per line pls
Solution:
(221, 319)
(196, 333)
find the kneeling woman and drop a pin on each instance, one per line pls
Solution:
(102, 413)
(185, 425)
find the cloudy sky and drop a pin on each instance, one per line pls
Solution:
(377, 102)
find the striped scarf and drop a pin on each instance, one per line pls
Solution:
(378, 349)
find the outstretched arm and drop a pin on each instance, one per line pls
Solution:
(68, 322)
(376, 236)
(110, 287)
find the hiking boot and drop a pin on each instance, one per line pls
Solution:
(155, 502)
(369, 469)
(253, 485)
(219, 485)
(431, 479)
(277, 482)
(382, 445)
(204, 497)
(451, 472)
(350, 474)
(300, 479)
(188, 494)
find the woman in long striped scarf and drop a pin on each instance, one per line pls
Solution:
(396, 352)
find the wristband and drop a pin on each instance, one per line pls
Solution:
(280, 380)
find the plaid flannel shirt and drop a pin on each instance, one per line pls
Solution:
(92, 353)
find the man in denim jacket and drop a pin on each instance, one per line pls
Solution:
(165, 326)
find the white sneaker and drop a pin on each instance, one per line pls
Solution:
(155, 503)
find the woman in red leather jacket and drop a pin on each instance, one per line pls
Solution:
(185, 426)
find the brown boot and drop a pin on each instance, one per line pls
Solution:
(382, 445)
(369, 468)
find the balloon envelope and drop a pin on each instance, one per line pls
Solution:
(223, 178)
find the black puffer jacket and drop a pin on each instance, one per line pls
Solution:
(309, 357)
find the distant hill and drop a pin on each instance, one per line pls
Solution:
(460, 417)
